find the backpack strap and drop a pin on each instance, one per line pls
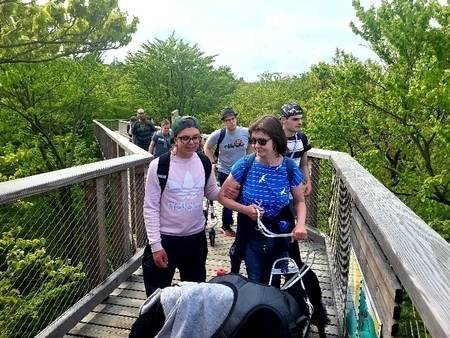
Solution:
(219, 141)
(248, 165)
(290, 169)
(163, 170)
(207, 166)
(164, 163)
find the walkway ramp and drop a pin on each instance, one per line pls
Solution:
(115, 315)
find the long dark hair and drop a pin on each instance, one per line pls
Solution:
(271, 126)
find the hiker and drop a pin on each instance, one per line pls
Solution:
(143, 130)
(231, 144)
(297, 142)
(173, 209)
(266, 189)
(161, 140)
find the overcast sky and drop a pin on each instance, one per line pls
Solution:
(251, 36)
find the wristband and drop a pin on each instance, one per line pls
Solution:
(213, 162)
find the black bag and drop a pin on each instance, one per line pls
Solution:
(263, 246)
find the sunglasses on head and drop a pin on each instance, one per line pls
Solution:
(260, 141)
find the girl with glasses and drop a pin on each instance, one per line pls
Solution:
(173, 217)
(266, 188)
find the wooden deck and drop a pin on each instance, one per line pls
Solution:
(115, 315)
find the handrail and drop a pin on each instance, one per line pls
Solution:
(37, 184)
(418, 255)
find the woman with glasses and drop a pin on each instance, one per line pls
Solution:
(266, 189)
(174, 218)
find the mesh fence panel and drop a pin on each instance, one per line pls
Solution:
(57, 246)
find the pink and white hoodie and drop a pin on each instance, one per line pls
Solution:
(178, 211)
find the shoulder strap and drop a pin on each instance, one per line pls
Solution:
(163, 169)
(164, 163)
(248, 165)
(290, 169)
(207, 166)
(221, 137)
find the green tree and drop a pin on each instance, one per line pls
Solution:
(32, 280)
(54, 105)
(172, 74)
(33, 33)
(393, 114)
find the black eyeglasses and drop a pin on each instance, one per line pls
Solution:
(187, 139)
(261, 141)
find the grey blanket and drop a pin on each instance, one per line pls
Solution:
(193, 309)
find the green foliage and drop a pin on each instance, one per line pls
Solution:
(51, 123)
(171, 74)
(392, 115)
(31, 32)
(32, 281)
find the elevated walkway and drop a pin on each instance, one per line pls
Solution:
(115, 315)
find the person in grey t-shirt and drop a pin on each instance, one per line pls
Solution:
(234, 145)
(161, 140)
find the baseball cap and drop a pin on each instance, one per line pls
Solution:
(133, 118)
(291, 109)
(228, 111)
(183, 122)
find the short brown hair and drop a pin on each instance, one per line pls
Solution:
(271, 125)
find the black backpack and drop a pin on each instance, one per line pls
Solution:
(258, 310)
(163, 168)
(219, 141)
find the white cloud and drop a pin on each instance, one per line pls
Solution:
(251, 36)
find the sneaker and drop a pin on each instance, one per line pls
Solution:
(228, 232)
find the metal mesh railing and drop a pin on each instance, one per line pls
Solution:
(58, 245)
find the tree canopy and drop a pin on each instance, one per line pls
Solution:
(31, 33)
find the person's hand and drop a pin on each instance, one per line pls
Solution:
(299, 233)
(250, 211)
(161, 259)
(307, 189)
(215, 167)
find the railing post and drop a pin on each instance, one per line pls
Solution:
(120, 232)
(311, 200)
(95, 232)
(139, 186)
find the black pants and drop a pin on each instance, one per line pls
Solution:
(187, 253)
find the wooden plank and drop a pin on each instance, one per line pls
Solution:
(105, 319)
(116, 310)
(387, 309)
(376, 258)
(131, 302)
(97, 331)
(33, 185)
(418, 255)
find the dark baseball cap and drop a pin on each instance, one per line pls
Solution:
(228, 111)
(183, 122)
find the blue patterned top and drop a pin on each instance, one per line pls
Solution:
(266, 186)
